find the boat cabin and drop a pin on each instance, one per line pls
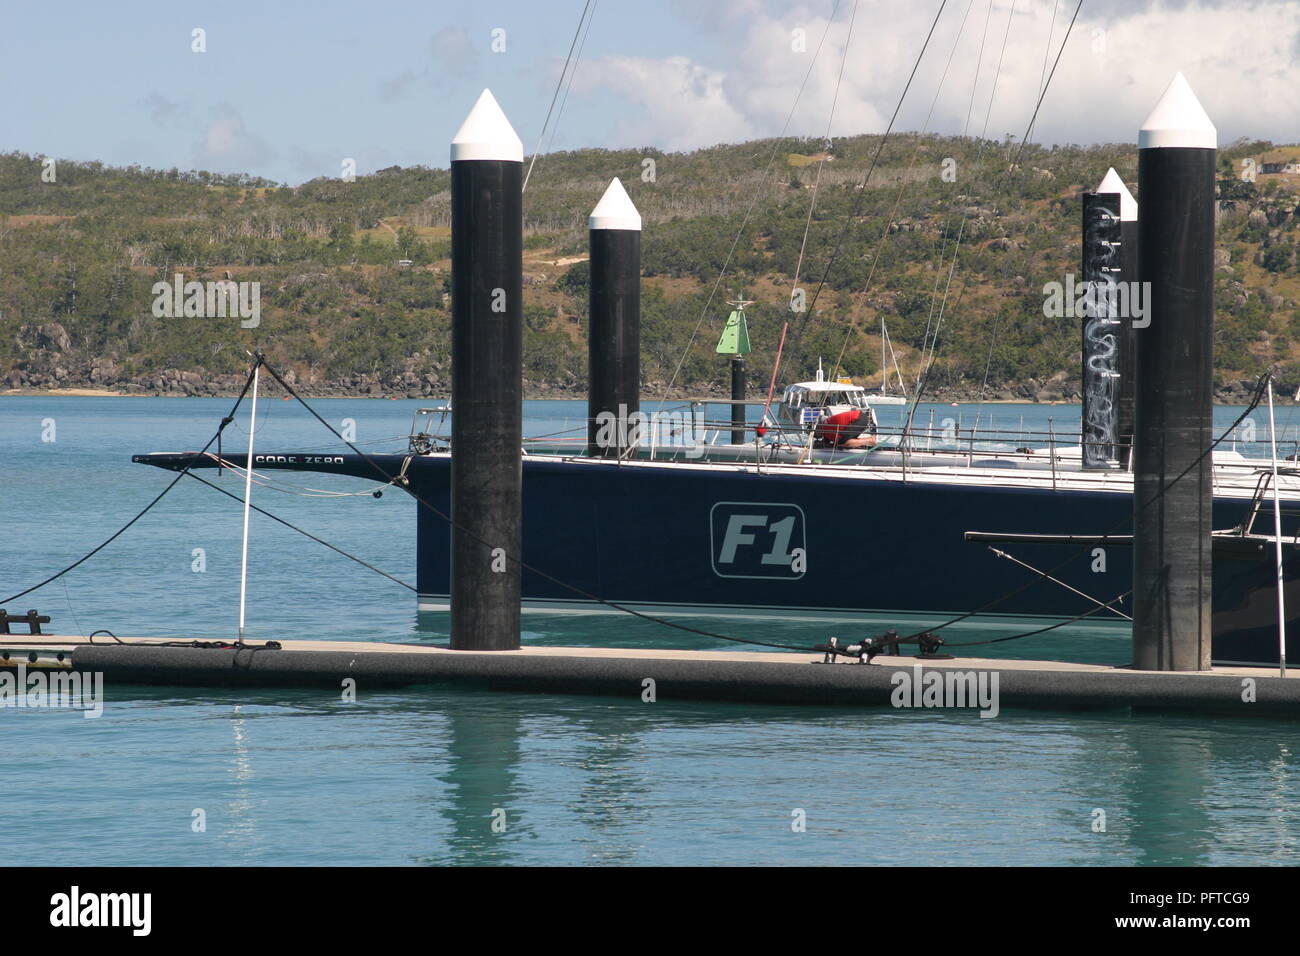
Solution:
(836, 412)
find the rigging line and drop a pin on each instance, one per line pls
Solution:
(830, 119)
(898, 199)
(1043, 630)
(1025, 564)
(308, 534)
(143, 511)
(1047, 50)
(1160, 493)
(988, 363)
(979, 156)
(301, 491)
(572, 73)
(1042, 95)
(862, 192)
(334, 445)
(519, 560)
(922, 369)
(970, 106)
(555, 95)
(67, 598)
(726, 264)
(928, 365)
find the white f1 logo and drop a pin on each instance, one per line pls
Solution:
(737, 535)
(758, 540)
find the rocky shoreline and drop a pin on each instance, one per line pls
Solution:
(188, 384)
(64, 373)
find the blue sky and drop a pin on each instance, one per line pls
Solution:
(288, 89)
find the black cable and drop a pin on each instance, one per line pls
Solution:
(308, 534)
(517, 560)
(143, 511)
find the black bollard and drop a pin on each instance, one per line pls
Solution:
(614, 324)
(1173, 424)
(487, 379)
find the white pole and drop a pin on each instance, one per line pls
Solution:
(884, 365)
(1277, 538)
(248, 493)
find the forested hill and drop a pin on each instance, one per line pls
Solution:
(341, 309)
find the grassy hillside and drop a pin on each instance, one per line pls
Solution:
(78, 258)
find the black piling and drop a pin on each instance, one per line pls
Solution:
(487, 386)
(735, 342)
(614, 323)
(738, 435)
(1173, 423)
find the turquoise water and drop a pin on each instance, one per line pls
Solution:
(415, 776)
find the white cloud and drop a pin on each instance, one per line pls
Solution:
(1238, 56)
(227, 145)
(162, 111)
(677, 103)
(452, 59)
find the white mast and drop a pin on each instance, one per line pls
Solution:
(248, 492)
(1277, 536)
(884, 365)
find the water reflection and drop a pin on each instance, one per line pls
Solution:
(482, 800)
(241, 829)
(1197, 792)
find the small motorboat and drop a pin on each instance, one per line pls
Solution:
(834, 414)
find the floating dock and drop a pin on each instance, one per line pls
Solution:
(788, 678)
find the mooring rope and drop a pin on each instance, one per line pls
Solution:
(1042, 630)
(145, 510)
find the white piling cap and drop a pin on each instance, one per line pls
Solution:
(486, 134)
(1178, 120)
(615, 210)
(1128, 207)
